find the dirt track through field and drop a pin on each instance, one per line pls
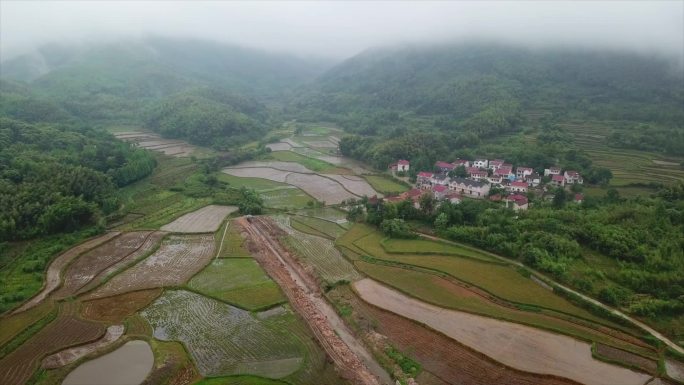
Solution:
(518, 346)
(351, 358)
(53, 277)
(205, 220)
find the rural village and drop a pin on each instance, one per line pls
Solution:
(481, 178)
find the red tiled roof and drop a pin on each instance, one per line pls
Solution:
(414, 192)
(557, 178)
(459, 162)
(426, 174)
(518, 199)
(403, 162)
(519, 184)
(520, 169)
(495, 198)
(441, 164)
(579, 197)
(439, 188)
(572, 173)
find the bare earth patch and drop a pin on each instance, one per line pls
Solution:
(518, 346)
(179, 257)
(54, 271)
(205, 220)
(116, 308)
(70, 355)
(280, 146)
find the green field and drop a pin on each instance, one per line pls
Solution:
(433, 289)
(275, 194)
(327, 213)
(238, 281)
(385, 184)
(424, 246)
(316, 226)
(312, 164)
(233, 243)
(628, 166)
(503, 281)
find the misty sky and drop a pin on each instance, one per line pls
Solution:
(342, 29)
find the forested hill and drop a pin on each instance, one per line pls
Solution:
(490, 87)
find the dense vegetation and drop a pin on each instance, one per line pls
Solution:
(57, 178)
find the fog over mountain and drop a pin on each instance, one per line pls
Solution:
(342, 29)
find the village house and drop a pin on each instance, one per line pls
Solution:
(469, 187)
(518, 187)
(516, 202)
(439, 191)
(557, 180)
(453, 197)
(477, 174)
(444, 166)
(495, 179)
(533, 179)
(480, 163)
(572, 177)
(424, 178)
(440, 179)
(522, 172)
(495, 164)
(462, 162)
(552, 171)
(401, 165)
(505, 171)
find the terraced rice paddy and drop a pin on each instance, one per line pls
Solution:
(514, 345)
(205, 220)
(320, 253)
(92, 263)
(317, 226)
(116, 309)
(231, 242)
(12, 325)
(151, 141)
(424, 246)
(54, 271)
(238, 281)
(274, 194)
(178, 258)
(65, 331)
(223, 339)
(70, 355)
(355, 184)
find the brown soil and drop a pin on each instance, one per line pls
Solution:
(205, 220)
(300, 288)
(53, 277)
(611, 353)
(70, 355)
(518, 346)
(65, 331)
(117, 308)
(91, 263)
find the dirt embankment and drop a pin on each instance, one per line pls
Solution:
(305, 298)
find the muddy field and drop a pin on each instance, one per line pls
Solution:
(520, 347)
(275, 164)
(205, 220)
(65, 331)
(70, 355)
(355, 184)
(178, 258)
(93, 262)
(280, 146)
(319, 187)
(675, 369)
(53, 278)
(612, 353)
(116, 308)
(444, 360)
(128, 364)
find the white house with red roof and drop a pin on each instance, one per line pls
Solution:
(424, 178)
(572, 177)
(470, 188)
(557, 180)
(401, 165)
(444, 166)
(495, 179)
(453, 197)
(440, 191)
(495, 164)
(522, 172)
(516, 202)
(477, 174)
(505, 171)
(533, 179)
(517, 187)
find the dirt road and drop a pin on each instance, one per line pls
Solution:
(351, 358)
